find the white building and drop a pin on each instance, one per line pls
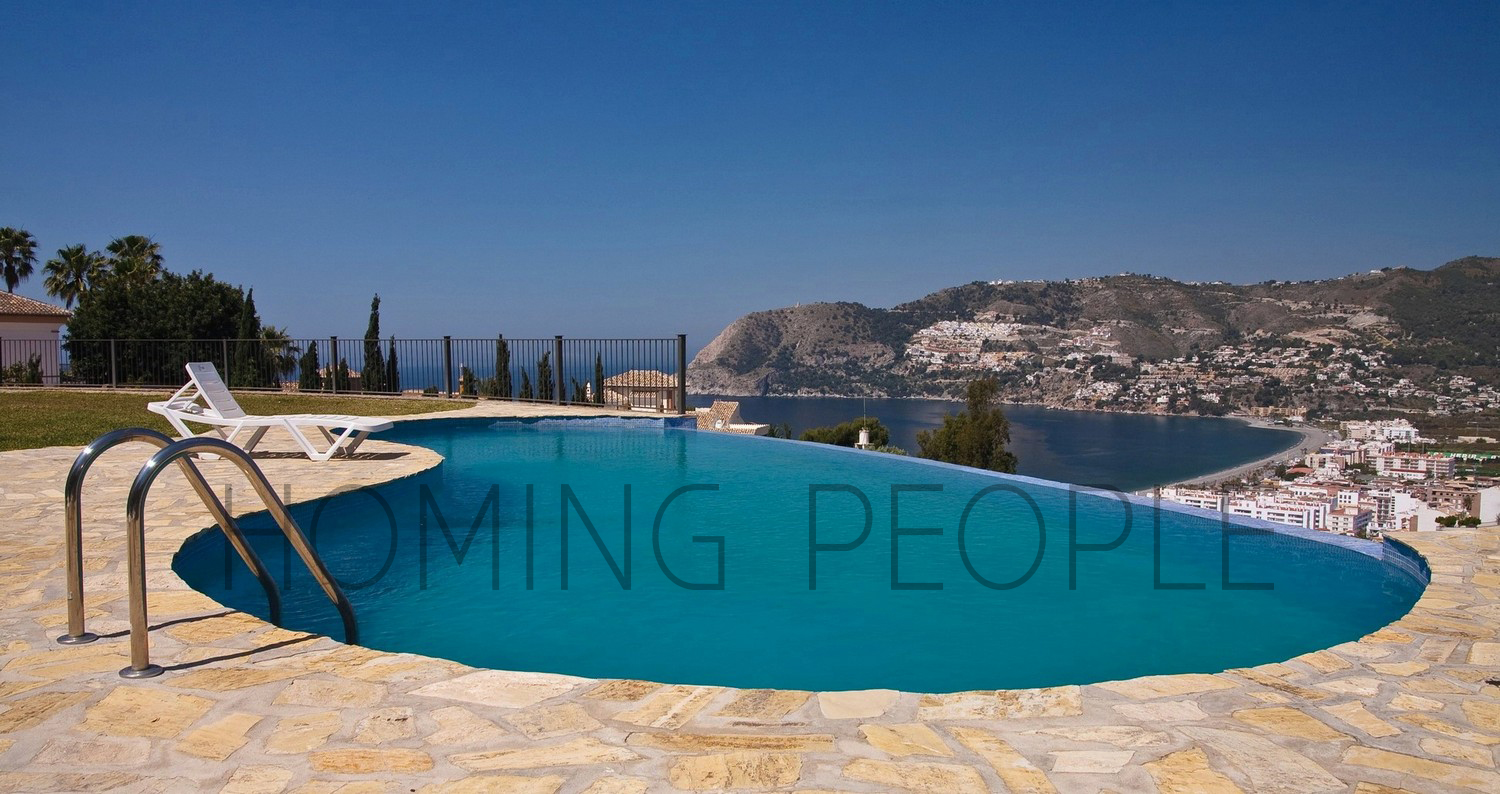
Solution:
(1415, 466)
(30, 332)
(1350, 521)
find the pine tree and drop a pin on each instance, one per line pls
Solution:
(502, 368)
(544, 377)
(599, 378)
(392, 371)
(372, 374)
(308, 378)
(248, 367)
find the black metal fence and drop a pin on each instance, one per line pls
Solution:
(634, 374)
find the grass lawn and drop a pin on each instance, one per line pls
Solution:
(32, 418)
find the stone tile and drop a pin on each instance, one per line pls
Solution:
(919, 777)
(1437, 650)
(459, 726)
(861, 704)
(257, 780)
(497, 784)
(1409, 766)
(1188, 772)
(1431, 723)
(1157, 686)
(1091, 762)
(1402, 669)
(764, 705)
(327, 693)
(1485, 654)
(671, 707)
(1117, 735)
(1061, 701)
(502, 688)
(1018, 774)
(1483, 714)
(1325, 661)
(721, 742)
(1406, 702)
(73, 751)
(369, 761)
(219, 739)
(33, 710)
(1461, 751)
(137, 711)
(1270, 768)
(545, 722)
(611, 784)
(386, 725)
(302, 733)
(622, 690)
(577, 752)
(223, 679)
(1360, 686)
(1288, 722)
(1164, 711)
(738, 770)
(1357, 715)
(904, 740)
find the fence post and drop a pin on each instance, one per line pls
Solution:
(448, 364)
(224, 351)
(681, 373)
(333, 364)
(557, 369)
(114, 369)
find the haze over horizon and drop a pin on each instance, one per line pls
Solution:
(603, 170)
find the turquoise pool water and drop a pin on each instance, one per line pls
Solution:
(982, 594)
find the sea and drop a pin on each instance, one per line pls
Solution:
(1129, 452)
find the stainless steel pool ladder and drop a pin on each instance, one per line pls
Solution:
(170, 451)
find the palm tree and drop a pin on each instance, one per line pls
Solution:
(280, 349)
(17, 256)
(72, 272)
(136, 257)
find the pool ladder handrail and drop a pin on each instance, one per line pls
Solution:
(135, 510)
(78, 633)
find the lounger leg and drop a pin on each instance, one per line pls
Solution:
(354, 442)
(255, 438)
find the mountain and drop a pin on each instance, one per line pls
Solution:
(1047, 340)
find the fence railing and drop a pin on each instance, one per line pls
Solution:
(634, 374)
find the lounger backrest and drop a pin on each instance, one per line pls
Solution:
(213, 391)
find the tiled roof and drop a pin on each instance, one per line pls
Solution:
(642, 377)
(10, 303)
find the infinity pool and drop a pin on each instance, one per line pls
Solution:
(627, 549)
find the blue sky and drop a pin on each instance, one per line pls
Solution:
(631, 169)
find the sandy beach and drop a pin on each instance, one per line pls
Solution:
(1312, 439)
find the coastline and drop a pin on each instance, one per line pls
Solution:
(1312, 439)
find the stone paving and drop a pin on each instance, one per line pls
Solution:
(248, 707)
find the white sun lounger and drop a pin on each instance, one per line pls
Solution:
(220, 411)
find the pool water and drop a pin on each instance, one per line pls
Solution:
(728, 584)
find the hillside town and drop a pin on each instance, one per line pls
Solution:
(1307, 374)
(1362, 484)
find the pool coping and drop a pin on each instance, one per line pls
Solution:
(1406, 706)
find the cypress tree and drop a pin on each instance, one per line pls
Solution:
(307, 369)
(466, 384)
(341, 375)
(525, 385)
(599, 378)
(544, 377)
(392, 371)
(372, 374)
(247, 368)
(502, 367)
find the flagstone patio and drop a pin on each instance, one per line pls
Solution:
(248, 707)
